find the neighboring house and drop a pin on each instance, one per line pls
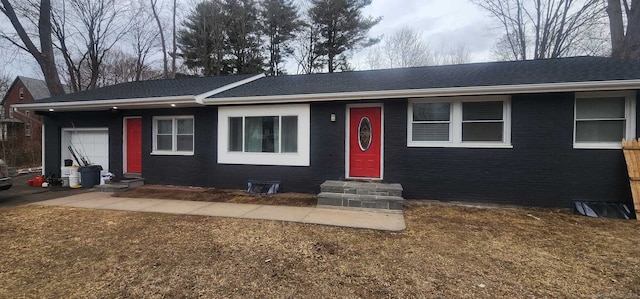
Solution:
(21, 129)
(542, 132)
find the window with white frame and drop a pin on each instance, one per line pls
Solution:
(21, 93)
(27, 130)
(264, 135)
(11, 113)
(173, 135)
(603, 119)
(460, 122)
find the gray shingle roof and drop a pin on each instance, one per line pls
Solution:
(574, 69)
(37, 88)
(150, 89)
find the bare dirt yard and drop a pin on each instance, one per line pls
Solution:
(219, 195)
(446, 252)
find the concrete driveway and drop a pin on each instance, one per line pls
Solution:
(22, 193)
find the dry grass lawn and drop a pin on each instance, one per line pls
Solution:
(446, 252)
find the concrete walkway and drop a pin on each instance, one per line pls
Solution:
(369, 219)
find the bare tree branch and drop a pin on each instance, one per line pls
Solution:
(544, 28)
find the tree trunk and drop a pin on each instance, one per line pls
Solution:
(45, 57)
(624, 45)
(162, 40)
(632, 38)
(48, 63)
(616, 25)
(175, 44)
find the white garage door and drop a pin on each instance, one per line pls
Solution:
(91, 143)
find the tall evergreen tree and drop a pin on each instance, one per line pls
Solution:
(280, 22)
(243, 36)
(203, 42)
(342, 28)
(223, 37)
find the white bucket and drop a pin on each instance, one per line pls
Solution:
(65, 171)
(74, 177)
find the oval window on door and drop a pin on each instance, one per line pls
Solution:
(364, 133)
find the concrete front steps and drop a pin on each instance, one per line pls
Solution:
(355, 194)
(122, 184)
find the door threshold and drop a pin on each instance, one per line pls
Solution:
(364, 179)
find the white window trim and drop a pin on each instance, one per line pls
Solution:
(629, 115)
(301, 158)
(27, 130)
(174, 139)
(455, 123)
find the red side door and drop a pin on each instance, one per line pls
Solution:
(365, 139)
(134, 145)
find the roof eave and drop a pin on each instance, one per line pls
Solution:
(433, 92)
(137, 103)
(108, 104)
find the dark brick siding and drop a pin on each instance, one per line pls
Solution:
(181, 170)
(55, 121)
(541, 169)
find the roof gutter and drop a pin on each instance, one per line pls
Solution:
(188, 99)
(433, 92)
(199, 98)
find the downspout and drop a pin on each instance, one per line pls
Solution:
(43, 164)
(200, 98)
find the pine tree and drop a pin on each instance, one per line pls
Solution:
(280, 22)
(203, 42)
(244, 36)
(342, 28)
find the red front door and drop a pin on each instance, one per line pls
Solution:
(365, 139)
(134, 145)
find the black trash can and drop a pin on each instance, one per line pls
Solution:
(89, 175)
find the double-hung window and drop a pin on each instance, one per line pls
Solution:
(459, 122)
(603, 119)
(173, 135)
(264, 135)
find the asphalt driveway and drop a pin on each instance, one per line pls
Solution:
(22, 193)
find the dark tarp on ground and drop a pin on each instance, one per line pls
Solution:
(263, 187)
(603, 209)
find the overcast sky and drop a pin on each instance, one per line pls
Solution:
(443, 24)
